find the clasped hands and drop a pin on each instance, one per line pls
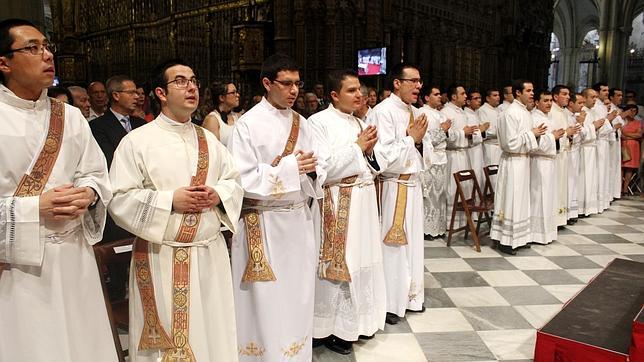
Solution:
(367, 139)
(65, 202)
(194, 198)
(417, 129)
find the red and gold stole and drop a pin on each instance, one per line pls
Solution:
(154, 335)
(33, 184)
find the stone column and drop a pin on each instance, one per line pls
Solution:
(612, 43)
(569, 66)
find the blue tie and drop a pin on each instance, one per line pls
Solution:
(126, 124)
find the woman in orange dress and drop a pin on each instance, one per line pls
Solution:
(631, 137)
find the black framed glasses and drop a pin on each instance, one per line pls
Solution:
(233, 92)
(35, 49)
(290, 83)
(182, 82)
(131, 92)
(413, 80)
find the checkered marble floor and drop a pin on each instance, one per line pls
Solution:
(487, 306)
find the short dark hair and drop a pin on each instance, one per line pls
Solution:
(541, 92)
(573, 97)
(630, 91)
(6, 40)
(398, 71)
(277, 63)
(597, 86)
(488, 92)
(518, 85)
(558, 88)
(452, 90)
(611, 92)
(159, 79)
(335, 78)
(472, 91)
(115, 84)
(54, 92)
(427, 90)
(511, 85)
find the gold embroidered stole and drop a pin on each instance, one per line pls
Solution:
(154, 335)
(333, 264)
(257, 268)
(396, 234)
(33, 184)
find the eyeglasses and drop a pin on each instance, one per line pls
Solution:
(413, 80)
(233, 92)
(131, 92)
(182, 82)
(35, 49)
(290, 83)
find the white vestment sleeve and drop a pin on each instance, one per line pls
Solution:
(20, 231)
(340, 162)
(261, 180)
(92, 172)
(135, 207)
(229, 190)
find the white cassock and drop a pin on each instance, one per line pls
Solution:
(559, 121)
(404, 269)
(350, 309)
(543, 182)
(574, 160)
(588, 172)
(275, 318)
(475, 151)
(51, 300)
(616, 154)
(511, 222)
(491, 149)
(434, 177)
(605, 136)
(457, 159)
(504, 106)
(150, 163)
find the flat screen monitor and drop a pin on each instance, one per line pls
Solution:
(372, 61)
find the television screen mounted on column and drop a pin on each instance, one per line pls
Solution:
(372, 61)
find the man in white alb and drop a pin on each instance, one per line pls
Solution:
(274, 255)
(489, 113)
(350, 287)
(175, 185)
(54, 189)
(517, 138)
(401, 132)
(575, 118)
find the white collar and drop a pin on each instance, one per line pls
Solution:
(9, 97)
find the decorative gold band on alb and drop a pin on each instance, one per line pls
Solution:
(180, 350)
(396, 234)
(333, 264)
(257, 267)
(33, 184)
(153, 335)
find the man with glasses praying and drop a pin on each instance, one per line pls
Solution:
(274, 255)
(174, 185)
(407, 151)
(54, 189)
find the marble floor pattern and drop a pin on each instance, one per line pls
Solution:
(487, 306)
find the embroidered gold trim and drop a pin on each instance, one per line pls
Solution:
(333, 265)
(257, 267)
(294, 349)
(34, 183)
(252, 350)
(396, 234)
(153, 335)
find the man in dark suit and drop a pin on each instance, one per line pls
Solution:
(112, 126)
(108, 130)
